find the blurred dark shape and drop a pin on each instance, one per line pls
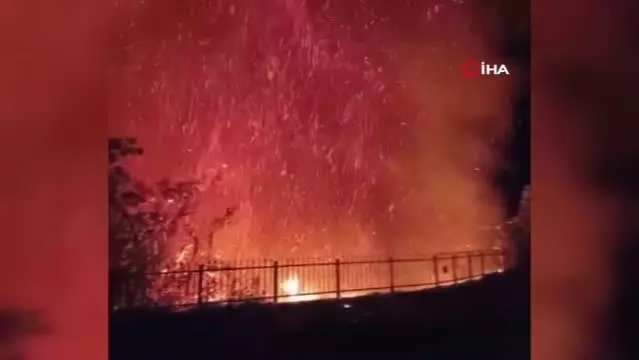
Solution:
(16, 325)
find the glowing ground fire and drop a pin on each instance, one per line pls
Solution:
(292, 291)
(291, 286)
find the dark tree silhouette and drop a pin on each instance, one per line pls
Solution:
(142, 218)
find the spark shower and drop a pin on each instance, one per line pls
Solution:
(336, 128)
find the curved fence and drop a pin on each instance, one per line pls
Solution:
(297, 279)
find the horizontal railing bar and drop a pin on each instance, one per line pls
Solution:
(264, 267)
(327, 262)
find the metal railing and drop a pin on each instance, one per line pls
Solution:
(299, 280)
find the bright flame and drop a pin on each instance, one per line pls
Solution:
(291, 286)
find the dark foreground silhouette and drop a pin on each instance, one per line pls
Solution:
(488, 319)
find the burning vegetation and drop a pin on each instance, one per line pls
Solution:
(145, 269)
(303, 130)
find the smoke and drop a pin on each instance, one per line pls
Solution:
(337, 129)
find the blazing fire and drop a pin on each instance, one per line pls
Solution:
(325, 129)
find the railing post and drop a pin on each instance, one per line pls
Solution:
(436, 269)
(276, 283)
(337, 279)
(482, 263)
(200, 284)
(391, 273)
(470, 266)
(453, 259)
